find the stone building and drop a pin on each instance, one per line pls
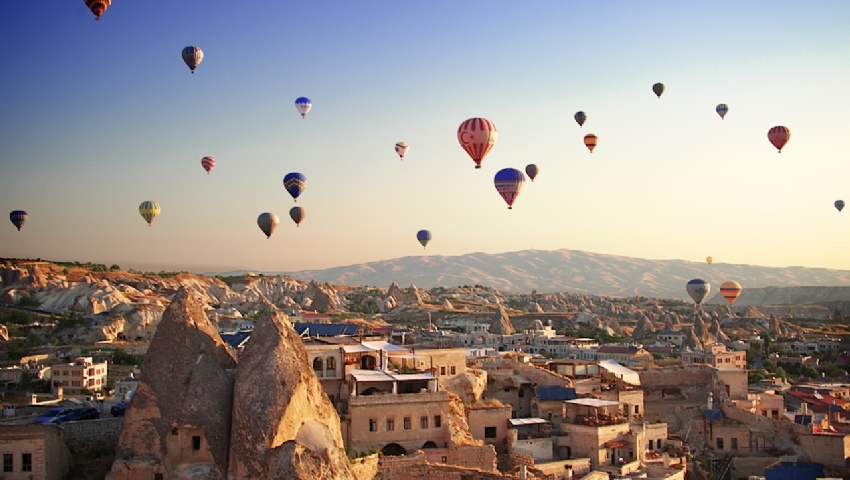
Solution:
(82, 374)
(716, 356)
(33, 452)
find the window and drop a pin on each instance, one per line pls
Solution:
(438, 421)
(8, 462)
(452, 370)
(489, 432)
(637, 409)
(720, 444)
(373, 425)
(331, 366)
(196, 442)
(734, 444)
(407, 423)
(649, 445)
(521, 392)
(442, 370)
(157, 476)
(390, 424)
(317, 364)
(423, 422)
(26, 462)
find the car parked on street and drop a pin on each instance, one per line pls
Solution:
(118, 409)
(55, 415)
(83, 413)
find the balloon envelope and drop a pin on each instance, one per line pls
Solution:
(97, 7)
(297, 214)
(531, 170)
(192, 56)
(722, 109)
(590, 141)
(295, 183)
(424, 236)
(708, 260)
(658, 89)
(508, 183)
(779, 136)
(18, 218)
(477, 136)
(303, 105)
(208, 163)
(698, 289)
(401, 149)
(580, 117)
(268, 222)
(149, 210)
(839, 204)
(730, 291)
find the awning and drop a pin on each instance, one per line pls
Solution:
(356, 348)
(370, 376)
(616, 443)
(385, 346)
(412, 376)
(409, 355)
(527, 421)
(626, 374)
(593, 402)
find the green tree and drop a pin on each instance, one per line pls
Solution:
(768, 342)
(769, 366)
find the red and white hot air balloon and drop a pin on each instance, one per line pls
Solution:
(477, 136)
(208, 163)
(779, 136)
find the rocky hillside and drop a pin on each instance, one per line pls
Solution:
(571, 271)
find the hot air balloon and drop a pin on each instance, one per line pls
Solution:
(97, 7)
(590, 141)
(268, 222)
(295, 183)
(18, 218)
(839, 204)
(208, 163)
(531, 170)
(401, 149)
(779, 136)
(303, 105)
(580, 118)
(658, 89)
(424, 236)
(508, 183)
(192, 56)
(297, 214)
(721, 110)
(698, 289)
(708, 260)
(477, 136)
(730, 291)
(149, 211)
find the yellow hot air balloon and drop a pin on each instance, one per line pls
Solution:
(708, 260)
(149, 211)
(730, 291)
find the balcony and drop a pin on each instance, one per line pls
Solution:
(602, 420)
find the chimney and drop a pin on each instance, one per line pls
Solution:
(804, 408)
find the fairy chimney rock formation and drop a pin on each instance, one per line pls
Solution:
(178, 423)
(501, 323)
(284, 426)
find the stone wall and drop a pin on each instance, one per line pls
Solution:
(416, 467)
(539, 448)
(743, 467)
(365, 468)
(92, 435)
(679, 381)
(832, 450)
(481, 418)
(541, 376)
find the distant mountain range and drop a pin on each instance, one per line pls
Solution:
(567, 271)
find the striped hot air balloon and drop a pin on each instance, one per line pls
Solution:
(208, 163)
(97, 7)
(721, 110)
(508, 182)
(295, 183)
(477, 136)
(297, 214)
(730, 291)
(401, 149)
(149, 211)
(303, 105)
(698, 289)
(590, 141)
(779, 136)
(192, 56)
(18, 218)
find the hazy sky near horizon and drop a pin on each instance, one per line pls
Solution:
(96, 117)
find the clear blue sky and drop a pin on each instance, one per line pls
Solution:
(96, 117)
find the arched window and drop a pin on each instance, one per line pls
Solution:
(317, 364)
(330, 365)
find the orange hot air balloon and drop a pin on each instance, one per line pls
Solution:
(477, 136)
(779, 136)
(590, 141)
(97, 7)
(730, 291)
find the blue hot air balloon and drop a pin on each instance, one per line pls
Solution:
(698, 289)
(295, 183)
(303, 105)
(18, 217)
(508, 183)
(424, 236)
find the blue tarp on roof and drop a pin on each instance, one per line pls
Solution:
(803, 419)
(794, 471)
(237, 339)
(712, 414)
(325, 329)
(555, 393)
